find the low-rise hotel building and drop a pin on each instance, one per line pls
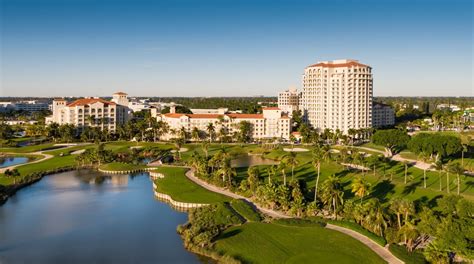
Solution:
(272, 123)
(289, 100)
(91, 112)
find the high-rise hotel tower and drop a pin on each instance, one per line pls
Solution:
(337, 95)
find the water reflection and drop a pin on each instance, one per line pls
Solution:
(98, 178)
(7, 161)
(88, 217)
(251, 160)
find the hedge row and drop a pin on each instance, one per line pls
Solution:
(402, 253)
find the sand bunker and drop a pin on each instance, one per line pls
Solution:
(295, 149)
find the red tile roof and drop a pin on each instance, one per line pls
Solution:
(176, 115)
(89, 101)
(338, 65)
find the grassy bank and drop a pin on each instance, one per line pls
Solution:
(181, 189)
(120, 166)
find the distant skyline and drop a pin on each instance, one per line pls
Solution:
(230, 48)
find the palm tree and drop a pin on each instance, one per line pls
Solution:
(282, 167)
(410, 233)
(317, 157)
(378, 216)
(205, 148)
(225, 169)
(253, 175)
(438, 165)
(424, 178)
(271, 171)
(360, 187)
(408, 208)
(332, 193)
(351, 132)
(406, 162)
(397, 207)
(291, 160)
(195, 134)
(456, 168)
(211, 130)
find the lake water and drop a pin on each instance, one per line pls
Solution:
(6, 161)
(88, 217)
(251, 160)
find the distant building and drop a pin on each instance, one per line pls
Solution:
(289, 100)
(337, 95)
(382, 115)
(91, 112)
(453, 108)
(272, 123)
(30, 106)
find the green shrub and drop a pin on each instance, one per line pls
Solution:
(402, 253)
(359, 229)
(245, 210)
(300, 222)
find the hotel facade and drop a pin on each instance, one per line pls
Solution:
(382, 115)
(289, 100)
(91, 112)
(272, 123)
(337, 95)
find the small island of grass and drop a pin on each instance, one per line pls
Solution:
(122, 167)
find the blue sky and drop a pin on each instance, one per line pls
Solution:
(230, 47)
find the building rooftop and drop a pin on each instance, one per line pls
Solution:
(120, 93)
(338, 64)
(88, 101)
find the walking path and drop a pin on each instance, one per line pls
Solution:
(417, 163)
(381, 251)
(372, 150)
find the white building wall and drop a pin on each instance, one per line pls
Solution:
(338, 95)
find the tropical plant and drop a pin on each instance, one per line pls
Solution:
(332, 194)
(360, 187)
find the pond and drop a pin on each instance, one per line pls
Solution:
(7, 161)
(88, 217)
(251, 160)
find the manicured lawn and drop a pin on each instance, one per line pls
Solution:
(245, 210)
(272, 243)
(408, 155)
(32, 148)
(382, 187)
(50, 164)
(373, 146)
(120, 166)
(181, 189)
(123, 146)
